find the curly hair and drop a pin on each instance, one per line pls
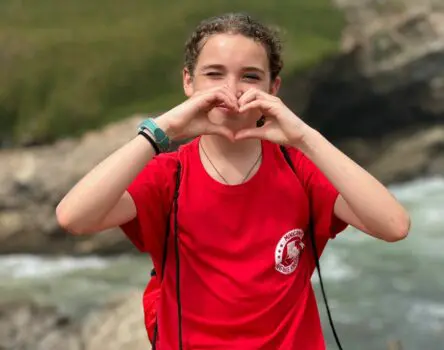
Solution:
(235, 23)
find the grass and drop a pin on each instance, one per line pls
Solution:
(69, 66)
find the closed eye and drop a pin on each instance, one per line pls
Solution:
(252, 76)
(213, 74)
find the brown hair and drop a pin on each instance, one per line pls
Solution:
(235, 23)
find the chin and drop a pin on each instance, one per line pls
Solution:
(221, 116)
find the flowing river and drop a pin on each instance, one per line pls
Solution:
(377, 291)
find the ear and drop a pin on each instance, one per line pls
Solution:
(275, 86)
(187, 82)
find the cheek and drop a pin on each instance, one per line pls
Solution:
(260, 85)
(205, 84)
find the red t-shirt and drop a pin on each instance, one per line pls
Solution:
(245, 258)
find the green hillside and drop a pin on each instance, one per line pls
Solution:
(68, 66)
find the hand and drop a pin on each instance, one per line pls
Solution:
(281, 126)
(190, 118)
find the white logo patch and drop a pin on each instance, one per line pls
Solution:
(286, 254)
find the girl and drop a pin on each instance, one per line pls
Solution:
(225, 219)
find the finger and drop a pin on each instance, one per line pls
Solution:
(253, 133)
(211, 96)
(227, 92)
(254, 94)
(226, 98)
(217, 97)
(231, 95)
(263, 105)
(248, 96)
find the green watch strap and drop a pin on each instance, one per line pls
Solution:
(161, 139)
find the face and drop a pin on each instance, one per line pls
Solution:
(238, 62)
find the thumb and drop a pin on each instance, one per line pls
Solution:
(253, 133)
(220, 130)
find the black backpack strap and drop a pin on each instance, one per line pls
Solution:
(174, 209)
(311, 230)
(176, 249)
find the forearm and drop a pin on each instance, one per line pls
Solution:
(89, 201)
(369, 200)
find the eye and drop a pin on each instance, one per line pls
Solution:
(213, 74)
(251, 76)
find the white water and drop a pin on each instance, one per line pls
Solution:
(377, 291)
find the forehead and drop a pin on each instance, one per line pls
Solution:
(234, 51)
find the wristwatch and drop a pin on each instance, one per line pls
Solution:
(159, 137)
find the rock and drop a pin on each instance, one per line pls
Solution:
(381, 99)
(403, 156)
(33, 180)
(28, 326)
(390, 75)
(117, 325)
(421, 152)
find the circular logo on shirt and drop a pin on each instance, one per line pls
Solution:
(287, 251)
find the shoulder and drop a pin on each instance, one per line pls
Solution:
(296, 155)
(306, 171)
(159, 168)
(301, 162)
(165, 165)
(158, 173)
(169, 160)
(284, 154)
(165, 161)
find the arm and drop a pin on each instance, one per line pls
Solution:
(363, 201)
(99, 200)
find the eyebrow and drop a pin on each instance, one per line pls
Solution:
(222, 67)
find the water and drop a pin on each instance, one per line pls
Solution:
(377, 291)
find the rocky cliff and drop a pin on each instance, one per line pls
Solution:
(382, 99)
(33, 181)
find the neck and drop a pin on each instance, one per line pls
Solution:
(239, 150)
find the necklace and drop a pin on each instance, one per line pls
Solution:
(218, 172)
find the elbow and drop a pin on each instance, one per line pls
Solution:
(66, 221)
(400, 229)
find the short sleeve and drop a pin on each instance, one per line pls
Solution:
(322, 196)
(152, 193)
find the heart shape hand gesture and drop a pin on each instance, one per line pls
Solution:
(190, 118)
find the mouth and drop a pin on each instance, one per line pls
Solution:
(223, 107)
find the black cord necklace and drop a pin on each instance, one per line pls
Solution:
(218, 172)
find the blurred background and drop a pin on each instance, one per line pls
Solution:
(75, 78)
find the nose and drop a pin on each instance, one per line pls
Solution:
(234, 86)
